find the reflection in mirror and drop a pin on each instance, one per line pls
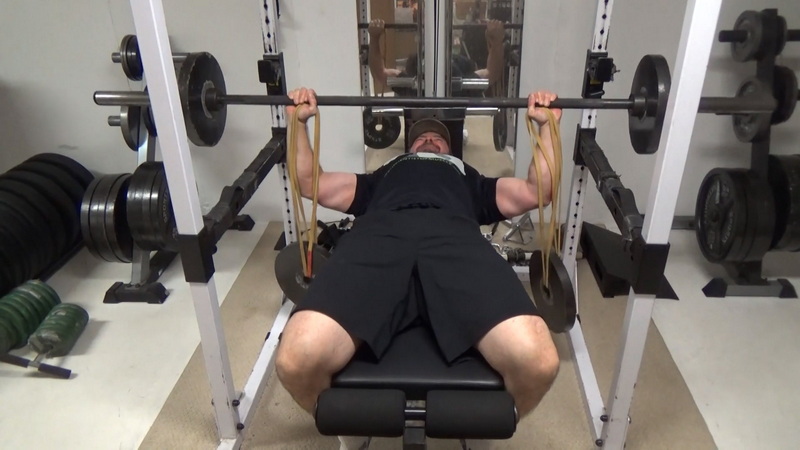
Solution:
(479, 68)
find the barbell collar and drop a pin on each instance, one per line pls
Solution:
(114, 121)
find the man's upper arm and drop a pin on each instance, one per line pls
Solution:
(515, 196)
(337, 190)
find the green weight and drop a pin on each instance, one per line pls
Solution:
(40, 302)
(22, 306)
(45, 290)
(15, 319)
(7, 335)
(60, 330)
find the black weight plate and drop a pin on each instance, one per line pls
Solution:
(72, 186)
(149, 121)
(162, 215)
(784, 88)
(93, 217)
(556, 302)
(721, 215)
(34, 233)
(380, 131)
(57, 196)
(69, 165)
(199, 74)
(289, 270)
(760, 216)
(749, 127)
(753, 47)
(48, 215)
(116, 221)
(131, 122)
(18, 260)
(138, 204)
(500, 130)
(784, 178)
(129, 57)
(651, 80)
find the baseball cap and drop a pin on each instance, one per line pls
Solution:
(426, 125)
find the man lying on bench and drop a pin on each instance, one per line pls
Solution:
(416, 254)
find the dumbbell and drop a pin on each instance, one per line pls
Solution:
(750, 37)
(128, 57)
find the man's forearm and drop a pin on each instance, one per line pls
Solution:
(494, 63)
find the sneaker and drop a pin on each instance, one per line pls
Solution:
(354, 442)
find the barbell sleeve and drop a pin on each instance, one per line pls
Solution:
(737, 105)
(463, 26)
(741, 35)
(176, 57)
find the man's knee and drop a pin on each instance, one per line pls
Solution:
(523, 348)
(312, 345)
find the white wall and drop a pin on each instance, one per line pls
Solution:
(55, 54)
(555, 39)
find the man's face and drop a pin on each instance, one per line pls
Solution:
(430, 142)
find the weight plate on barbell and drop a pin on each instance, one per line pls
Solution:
(721, 214)
(784, 88)
(752, 47)
(500, 130)
(131, 123)
(784, 178)
(161, 214)
(66, 164)
(199, 74)
(651, 80)
(556, 302)
(103, 223)
(380, 131)
(129, 57)
(146, 191)
(289, 270)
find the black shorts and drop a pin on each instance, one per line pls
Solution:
(399, 268)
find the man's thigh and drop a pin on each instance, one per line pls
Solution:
(517, 343)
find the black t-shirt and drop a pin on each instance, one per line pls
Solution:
(428, 180)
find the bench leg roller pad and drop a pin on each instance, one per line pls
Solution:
(361, 412)
(470, 415)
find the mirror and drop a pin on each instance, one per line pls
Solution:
(480, 51)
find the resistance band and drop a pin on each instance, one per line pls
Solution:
(306, 254)
(550, 237)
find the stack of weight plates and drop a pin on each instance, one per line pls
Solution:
(21, 312)
(39, 215)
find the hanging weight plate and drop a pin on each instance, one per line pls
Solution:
(17, 260)
(749, 127)
(500, 130)
(784, 88)
(784, 178)
(380, 131)
(131, 122)
(199, 74)
(129, 57)
(116, 221)
(754, 46)
(556, 302)
(721, 215)
(760, 217)
(651, 80)
(67, 164)
(161, 214)
(289, 270)
(99, 225)
(140, 191)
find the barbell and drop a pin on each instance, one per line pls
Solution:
(462, 26)
(204, 99)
